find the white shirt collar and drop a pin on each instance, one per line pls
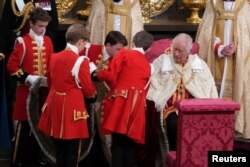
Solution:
(196, 63)
(34, 35)
(73, 48)
(139, 50)
(37, 38)
(106, 56)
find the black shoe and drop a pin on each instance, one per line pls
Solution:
(18, 164)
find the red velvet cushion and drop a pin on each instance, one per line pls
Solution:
(203, 125)
(160, 46)
(207, 105)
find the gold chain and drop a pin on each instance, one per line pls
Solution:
(24, 13)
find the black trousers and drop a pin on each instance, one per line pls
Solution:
(123, 151)
(25, 147)
(171, 124)
(67, 152)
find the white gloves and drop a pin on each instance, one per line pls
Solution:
(31, 79)
(92, 67)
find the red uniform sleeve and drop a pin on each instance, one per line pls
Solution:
(13, 64)
(93, 53)
(116, 66)
(85, 79)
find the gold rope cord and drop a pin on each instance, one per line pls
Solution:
(24, 13)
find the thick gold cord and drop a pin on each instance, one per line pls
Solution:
(24, 13)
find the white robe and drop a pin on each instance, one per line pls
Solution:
(163, 84)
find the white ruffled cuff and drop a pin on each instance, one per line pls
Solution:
(220, 55)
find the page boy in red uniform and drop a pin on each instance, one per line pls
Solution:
(64, 115)
(124, 108)
(28, 61)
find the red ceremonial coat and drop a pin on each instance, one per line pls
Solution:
(64, 114)
(94, 53)
(124, 108)
(32, 60)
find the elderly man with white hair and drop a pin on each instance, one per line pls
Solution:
(178, 75)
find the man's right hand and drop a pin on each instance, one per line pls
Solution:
(228, 50)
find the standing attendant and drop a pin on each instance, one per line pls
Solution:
(28, 61)
(64, 115)
(124, 107)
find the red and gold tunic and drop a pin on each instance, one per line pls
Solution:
(96, 55)
(124, 108)
(28, 57)
(64, 114)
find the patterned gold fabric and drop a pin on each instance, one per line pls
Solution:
(237, 79)
(106, 15)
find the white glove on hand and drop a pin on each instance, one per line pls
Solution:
(92, 67)
(31, 79)
(44, 82)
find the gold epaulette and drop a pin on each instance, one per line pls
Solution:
(18, 73)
